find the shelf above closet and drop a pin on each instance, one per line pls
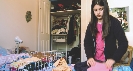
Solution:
(64, 2)
(59, 34)
(65, 13)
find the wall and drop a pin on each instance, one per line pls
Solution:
(125, 3)
(85, 17)
(13, 23)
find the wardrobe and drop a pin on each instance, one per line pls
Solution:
(50, 16)
(65, 23)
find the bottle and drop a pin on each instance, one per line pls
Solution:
(70, 59)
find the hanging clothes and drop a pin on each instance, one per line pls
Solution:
(68, 20)
(71, 36)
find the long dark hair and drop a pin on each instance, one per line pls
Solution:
(106, 18)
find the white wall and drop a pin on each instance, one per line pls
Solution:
(13, 23)
(125, 3)
(85, 18)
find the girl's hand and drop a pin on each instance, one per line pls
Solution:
(91, 62)
(109, 63)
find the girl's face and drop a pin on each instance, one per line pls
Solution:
(98, 11)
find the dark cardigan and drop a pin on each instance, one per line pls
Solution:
(111, 50)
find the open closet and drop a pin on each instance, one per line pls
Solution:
(65, 28)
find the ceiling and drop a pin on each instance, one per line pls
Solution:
(65, 2)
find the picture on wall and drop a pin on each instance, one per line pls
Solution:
(122, 14)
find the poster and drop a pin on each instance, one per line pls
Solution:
(122, 14)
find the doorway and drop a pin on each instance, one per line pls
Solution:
(66, 28)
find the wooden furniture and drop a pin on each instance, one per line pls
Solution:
(129, 56)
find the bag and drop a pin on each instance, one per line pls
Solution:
(122, 68)
(98, 67)
(81, 66)
(61, 65)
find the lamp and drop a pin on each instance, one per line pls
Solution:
(18, 41)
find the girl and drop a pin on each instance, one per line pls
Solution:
(101, 35)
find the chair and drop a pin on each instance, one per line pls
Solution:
(127, 55)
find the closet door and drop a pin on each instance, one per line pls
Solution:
(44, 26)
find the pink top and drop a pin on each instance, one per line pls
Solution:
(99, 44)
